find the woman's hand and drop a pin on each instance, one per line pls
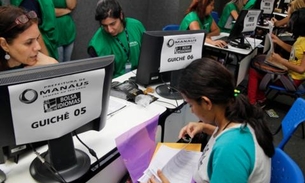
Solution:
(191, 129)
(161, 176)
(275, 39)
(275, 58)
(219, 43)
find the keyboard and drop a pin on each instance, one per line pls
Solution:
(224, 38)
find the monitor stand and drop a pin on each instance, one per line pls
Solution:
(169, 91)
(2, 176)
(240, 43)
(70, 164)
(166, 91)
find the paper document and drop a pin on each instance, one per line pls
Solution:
(178, 165)
(271, 50)
(115, 106)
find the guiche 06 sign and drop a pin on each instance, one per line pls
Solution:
(55, 106)
(180, 50)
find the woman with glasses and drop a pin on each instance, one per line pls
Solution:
(47, 23)
(241, 145)
(117, 36)
(19, 39)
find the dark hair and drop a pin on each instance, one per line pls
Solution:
(297, 23)
(109, 8)
(199, 6)
(8, 15)
(207, 77)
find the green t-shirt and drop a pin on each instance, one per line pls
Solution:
(192, 16)
(105, 44)
(249, 4)
(48, 26)
(65, 26)
(226, 20)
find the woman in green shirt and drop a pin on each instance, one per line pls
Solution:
(198, 17)
(118, 36)
(64, 21)
(229, 14)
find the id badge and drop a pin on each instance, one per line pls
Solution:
(127, 67)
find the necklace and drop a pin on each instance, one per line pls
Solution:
(226, 125)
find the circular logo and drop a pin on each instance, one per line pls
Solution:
(170, 43)
(28, 96)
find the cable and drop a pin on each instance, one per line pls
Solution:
(50, 167)
(91, 151)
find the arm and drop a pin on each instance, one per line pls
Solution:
(282, 22)
(71, 4)
(195, 26)
(281, 43)
(215, 31)
(296, 68)
(234, 14)
(194, 128)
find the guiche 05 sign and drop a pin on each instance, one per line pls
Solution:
(55, 107)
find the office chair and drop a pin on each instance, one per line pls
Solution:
(284, 169)
(291, 121)
(215, 16)
(171, 27)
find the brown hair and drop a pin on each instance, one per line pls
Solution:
(8, 15)
(199, 6)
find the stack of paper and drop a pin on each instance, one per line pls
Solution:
(178, 165)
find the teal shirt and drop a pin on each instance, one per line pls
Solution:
(249, 4)
(104, 44)
(65, 25)
(192, 16)
(226, 20)
(234, 155)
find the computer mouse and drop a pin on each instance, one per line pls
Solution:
(2, 176)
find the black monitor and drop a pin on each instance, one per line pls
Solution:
(267, 6)
(164, 54)
(283, 5)
(50, 103)
(245, 24)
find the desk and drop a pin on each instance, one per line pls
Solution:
(244, 56)
(281, 15)
(173, 119)
(103, 142)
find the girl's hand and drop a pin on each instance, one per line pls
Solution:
(161, 176)
(191, 129)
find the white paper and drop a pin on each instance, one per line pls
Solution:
(267, 6)
(178, 51)
(114, 106)
(178, 165)
(251, 20)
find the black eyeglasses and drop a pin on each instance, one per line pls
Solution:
(23, 19)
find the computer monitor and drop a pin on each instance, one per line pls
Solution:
(165, 53)
(245, 24)
(50, 103)
(283, 5)
(267, 6)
